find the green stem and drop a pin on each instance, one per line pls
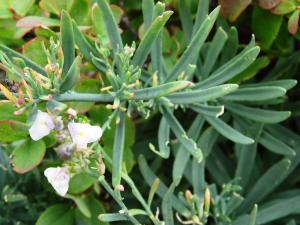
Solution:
(117, 199)
(84, 97)
(135, 191)
(140, 198)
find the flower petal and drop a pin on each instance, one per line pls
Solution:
(59, 179)
(42, 126)
(83, 133)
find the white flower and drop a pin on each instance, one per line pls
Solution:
(84, 133)
(59, 179)
(42, 126)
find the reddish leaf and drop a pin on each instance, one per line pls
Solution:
(268, 4)
(293, 22)
(37, 21)
(285, 7)
(231, 9)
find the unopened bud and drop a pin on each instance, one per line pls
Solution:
(207, 201)
(188, 196)
(120, 187)
(72, 113)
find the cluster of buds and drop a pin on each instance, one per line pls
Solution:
(74, 137)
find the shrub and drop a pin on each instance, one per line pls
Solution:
(203, 129)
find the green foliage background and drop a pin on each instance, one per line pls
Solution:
(251, 152)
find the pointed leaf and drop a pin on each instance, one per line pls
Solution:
(228, 131)
(149, 38)
(67, 41)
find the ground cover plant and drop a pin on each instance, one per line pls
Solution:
(145, 112)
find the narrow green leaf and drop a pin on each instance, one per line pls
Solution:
(159, 91)
(150, 177)
(252, 70)
(157, 49)
(188, 143)
(278, 210)
(86, 49)
(191, 54)
(118, 150)
(246, 156)
(286, 84)
(164, 138)
(231, 46)
(149, 38)
(253, 216)
(82, 205)
(152, 191)
(208, 110)
(186, 19)
(256, 114)
(274, 145)
(111, 26)
(232, 68)
(213, 52)
(147, 8)
(228, 131)
(271, 179)
(11, 54)
(217, 166)
(202, 11)
(182, 156)
(256, 94)
(112, 217)
(202, 95)
(167, 203)
(67, 41)
(273, 210)
(72, 76)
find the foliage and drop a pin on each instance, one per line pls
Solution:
(190, 114)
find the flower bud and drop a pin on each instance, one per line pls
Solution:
(207, 201)
(64, 151)
(120, 187)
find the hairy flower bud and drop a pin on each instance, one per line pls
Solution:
(64, 151)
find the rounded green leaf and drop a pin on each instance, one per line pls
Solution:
(80, 182)
(59, 214)
(12, 130)
(28, 155)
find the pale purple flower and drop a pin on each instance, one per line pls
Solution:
(42, 126)
(84, 133)
(59, 178)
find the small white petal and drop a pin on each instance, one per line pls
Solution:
(83, 133)
(59, 179)
(42, 126)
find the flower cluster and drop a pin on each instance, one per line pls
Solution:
(76, 136)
